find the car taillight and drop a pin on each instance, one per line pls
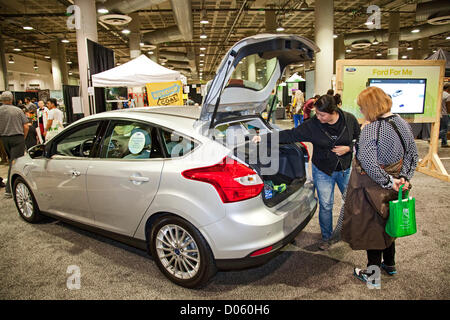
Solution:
(233, 180)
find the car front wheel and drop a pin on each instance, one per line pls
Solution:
(25, 202)
(181, 252)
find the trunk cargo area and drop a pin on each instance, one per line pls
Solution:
(290, 175)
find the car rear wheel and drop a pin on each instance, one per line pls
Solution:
(25, 202)
(181, 252)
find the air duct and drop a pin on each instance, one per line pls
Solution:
(183, 30)
(434, 12)
(426, 30)
(127, 6)
(171, 55)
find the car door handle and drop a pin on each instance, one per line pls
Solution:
(75, 173)
(139, 179)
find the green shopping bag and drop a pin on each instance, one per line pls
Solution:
(402, 216)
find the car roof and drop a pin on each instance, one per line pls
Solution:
(176, 111)
(173, 117)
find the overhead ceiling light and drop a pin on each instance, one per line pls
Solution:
(348, 50)
(17, 49)
(202, 55)
(102, 10)
(379, 54)
(203, 36)
(434, 51)
(65, 41)
(375, 42)
(280, 29)
(368, 23)
(409, 48)
(47, 57)
(11, 59)
(126, 31)
(35, 66)
(70, 73)
(335, 36)
(404, 57)
(27, 27)
(448, 38)
(141, 44)
(150, 52)
(203, 17)
(202, 48)
(415, 31)
(69, 62)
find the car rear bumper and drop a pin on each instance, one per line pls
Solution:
(250, 262)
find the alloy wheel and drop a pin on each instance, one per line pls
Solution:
(178, 251)
(24, 200)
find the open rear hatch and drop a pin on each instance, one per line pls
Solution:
(239, 93)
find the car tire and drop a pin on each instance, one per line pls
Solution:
(25, 202)
(181, 252)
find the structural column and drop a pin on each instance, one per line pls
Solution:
(324, 39)
(59, 64)
(88, 30)
(251, 60)
(339, 50)
(135, 35)
(416, 50)
(270, 19)
(4, 83)
(424, 47)
(394, 35)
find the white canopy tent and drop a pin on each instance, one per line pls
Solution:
(136, 73)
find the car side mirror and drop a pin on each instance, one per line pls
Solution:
(37, 151)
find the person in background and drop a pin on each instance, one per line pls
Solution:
(297, 107)
(3, 155)
(272, 105)
(332, 133)
(13, 130)
(386, 157)
(444, 116)
(55, 119)
(338, 100)
(308, 106)
(330, 92)
(42, 117)
(30, 107)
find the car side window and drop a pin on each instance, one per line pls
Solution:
(79, 142)
(176, 145)
(130, 140)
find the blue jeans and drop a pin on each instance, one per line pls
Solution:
(443, 129)
(298, 119)
(324, 185)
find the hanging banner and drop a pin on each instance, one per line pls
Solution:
(165, 93)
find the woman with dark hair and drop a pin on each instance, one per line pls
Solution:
(333, 133)
(338, 100)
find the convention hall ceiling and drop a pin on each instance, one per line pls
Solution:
(229, 21)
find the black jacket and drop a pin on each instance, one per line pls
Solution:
(313, 131)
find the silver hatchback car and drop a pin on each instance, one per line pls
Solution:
(184, 183)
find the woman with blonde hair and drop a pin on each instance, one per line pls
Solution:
(386, 157)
